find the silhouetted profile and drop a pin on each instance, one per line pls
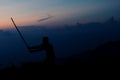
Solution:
(50, 56)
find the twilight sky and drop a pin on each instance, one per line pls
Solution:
(56, 12)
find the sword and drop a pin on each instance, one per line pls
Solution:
(20, 33)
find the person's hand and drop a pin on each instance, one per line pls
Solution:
(30, 51)
(29, 48)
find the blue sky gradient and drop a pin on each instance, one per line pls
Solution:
(28, 12)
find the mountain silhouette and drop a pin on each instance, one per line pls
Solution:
(108, 52)
(112, 21)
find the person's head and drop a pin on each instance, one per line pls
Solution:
(45, 40)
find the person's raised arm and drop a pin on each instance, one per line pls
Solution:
(36, 48)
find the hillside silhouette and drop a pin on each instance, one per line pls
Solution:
(104, 55)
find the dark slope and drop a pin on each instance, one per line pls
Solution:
(102, 58)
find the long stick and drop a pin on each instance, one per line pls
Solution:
(20, 33)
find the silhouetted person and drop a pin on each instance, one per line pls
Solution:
(50, 56)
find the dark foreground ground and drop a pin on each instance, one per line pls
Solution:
(104, 59)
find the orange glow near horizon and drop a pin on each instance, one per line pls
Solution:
(29, 12)
(7, 23)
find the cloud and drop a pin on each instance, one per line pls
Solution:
(46, 18)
